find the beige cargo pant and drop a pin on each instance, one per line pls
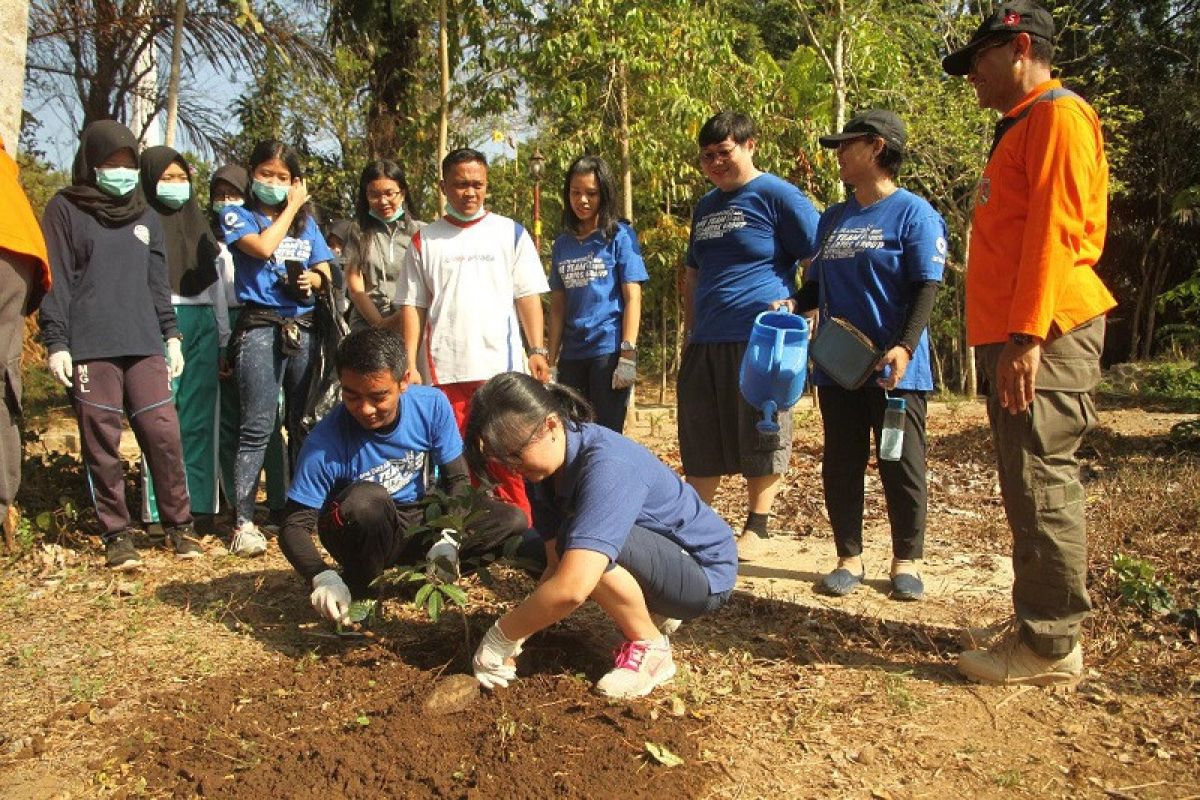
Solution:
(1039, 483)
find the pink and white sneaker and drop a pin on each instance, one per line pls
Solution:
(640, 666)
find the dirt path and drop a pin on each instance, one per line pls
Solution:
(213, 679)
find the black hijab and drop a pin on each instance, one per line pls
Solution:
(236, 177)
(98, 141)
(191, 248)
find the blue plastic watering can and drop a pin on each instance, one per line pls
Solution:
(775, 365)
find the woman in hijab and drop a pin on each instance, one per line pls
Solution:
(199, 303)
(104, 323)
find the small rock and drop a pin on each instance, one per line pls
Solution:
(451, 695)
(79, 710)
(37, 744)
(866, 756)
(93, 716)
(678, 708)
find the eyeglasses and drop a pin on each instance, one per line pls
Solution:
(711, 156)
(512, 458)
(391, 194)
(978, 54)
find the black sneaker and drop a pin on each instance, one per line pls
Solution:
(184, 542)
(120, 554)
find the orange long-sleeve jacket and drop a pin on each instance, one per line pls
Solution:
(1041, 213)
(19, 229)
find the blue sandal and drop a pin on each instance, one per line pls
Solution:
(841, 582)
(908, 587)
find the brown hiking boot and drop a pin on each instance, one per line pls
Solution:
(980, 638)
(1011, 662)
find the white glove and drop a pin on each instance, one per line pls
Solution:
(625, 373)
(331, 596)
(174, 358)
(62, 368)
(490, 662)
(443, 558)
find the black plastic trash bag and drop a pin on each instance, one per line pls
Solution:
(324, 389)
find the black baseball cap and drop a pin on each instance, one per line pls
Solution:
(873, 121)
(1013, 17)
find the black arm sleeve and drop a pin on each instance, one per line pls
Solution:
(807, 297)
(296, 542)
(919, 310)
(456, 478)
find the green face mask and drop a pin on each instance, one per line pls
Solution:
(117, 181)
(173, 195)
(270, 193)
(388, 220)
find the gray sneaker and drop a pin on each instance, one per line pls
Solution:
(247, 541)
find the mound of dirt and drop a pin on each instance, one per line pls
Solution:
(352, 725)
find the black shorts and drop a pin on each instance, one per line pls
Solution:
(717, 433)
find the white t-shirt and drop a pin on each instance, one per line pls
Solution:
(467, 275)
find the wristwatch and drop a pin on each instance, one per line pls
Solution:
(1021, 339)
(627, 346)
(539, 351)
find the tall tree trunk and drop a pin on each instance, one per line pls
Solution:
(972, 378)
(173, 79)
(143, 120)
(12, 68)
(444, 92)
(623, 141)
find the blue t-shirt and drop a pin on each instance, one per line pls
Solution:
(592, 273)
(745, 245)
(262, 281)
(610, 484)
(868, 265)
(339, 451)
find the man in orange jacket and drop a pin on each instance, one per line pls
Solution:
(1035, 313)
(24, 278)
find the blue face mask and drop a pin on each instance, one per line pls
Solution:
(173, 195)
(225, 205)
(117, 181)
(270, 193)
(388, 220)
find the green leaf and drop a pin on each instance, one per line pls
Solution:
(662, 755)
(434, 609)
(363, 720)
(44, 520)
(454, 593)
(422, 595)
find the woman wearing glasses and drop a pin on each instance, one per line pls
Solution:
(658, 556)
(374, 249)
(879, 267)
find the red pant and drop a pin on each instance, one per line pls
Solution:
(510, 486)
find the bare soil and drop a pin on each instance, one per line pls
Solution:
(216, 679)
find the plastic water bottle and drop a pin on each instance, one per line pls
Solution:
(891, 440)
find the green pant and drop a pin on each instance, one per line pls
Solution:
(1039, 483)
(275, 464)
(196, 399)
